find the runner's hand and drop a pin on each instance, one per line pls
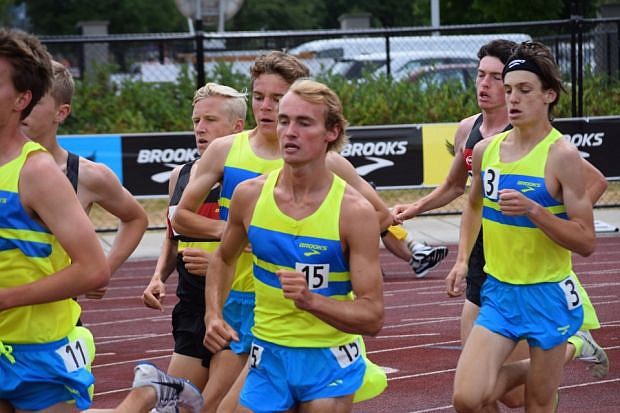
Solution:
(454, 280)
(154, 293)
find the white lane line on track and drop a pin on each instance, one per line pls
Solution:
(427, 373)
(440, 343)
(399, 325)
(590, 383)
(136, 338)
(433, 409)
(129, 320)
(133, 361)
(390, 337)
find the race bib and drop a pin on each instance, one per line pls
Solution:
(256, 353)
(569, 286)
(74, 354)
(491, 183)
(317, 275)
(347, 353)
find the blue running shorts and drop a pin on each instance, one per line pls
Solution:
(546, 314)
(281, 377)
(37, 376)
(239, 313)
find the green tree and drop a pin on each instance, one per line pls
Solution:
(279, 15)
(124, 16)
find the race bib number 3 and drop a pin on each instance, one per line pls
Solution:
(347, 353)
(75, 355)
(317, 275)
(491, 183)
(569, 286)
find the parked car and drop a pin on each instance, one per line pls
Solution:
(428, 76)
(401, 63)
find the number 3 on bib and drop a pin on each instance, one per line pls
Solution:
(569, 286)
(491, 183)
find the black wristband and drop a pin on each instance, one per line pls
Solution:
(384, 233)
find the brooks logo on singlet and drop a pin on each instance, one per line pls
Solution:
(314, 248)
(528, 186)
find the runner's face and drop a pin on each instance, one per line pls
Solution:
(211, 121)
(301, 130)
(526, 99)
(267, 91)
(489, 84)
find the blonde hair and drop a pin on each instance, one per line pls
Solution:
(235, 104)
(63, 85)
(316, 92)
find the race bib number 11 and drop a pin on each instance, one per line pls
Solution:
(74, 354)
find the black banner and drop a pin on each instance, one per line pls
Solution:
(149, 159)
(597, 140)
(389, 156)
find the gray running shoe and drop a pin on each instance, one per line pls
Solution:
(172, 392)
(424, 257)
(592, 352)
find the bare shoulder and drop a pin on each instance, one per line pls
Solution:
(39, 164)
(93, 175)
(222, 145)
(463, 131)
(355, 204)
(562, 153)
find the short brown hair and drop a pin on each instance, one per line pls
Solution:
(549, 75)
(31, 64)
(287, 66)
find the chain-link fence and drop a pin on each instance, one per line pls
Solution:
(583, 48)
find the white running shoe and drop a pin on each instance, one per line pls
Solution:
(424, 257)
(592, 352)
(172, 392)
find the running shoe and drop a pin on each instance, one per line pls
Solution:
(172, 392)
(425, 257)
(592, 352)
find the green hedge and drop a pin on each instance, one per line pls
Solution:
(103, 106)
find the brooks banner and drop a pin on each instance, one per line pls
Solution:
(392, 157)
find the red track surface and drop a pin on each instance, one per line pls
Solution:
(419, 344)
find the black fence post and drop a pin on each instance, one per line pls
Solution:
(388, 58)
(200, 55)
(574, 28)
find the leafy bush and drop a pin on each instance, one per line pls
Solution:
(103, 106)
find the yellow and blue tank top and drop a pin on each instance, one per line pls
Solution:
(242, 164)
(310, 245)
(516, 250)
(29, 252)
